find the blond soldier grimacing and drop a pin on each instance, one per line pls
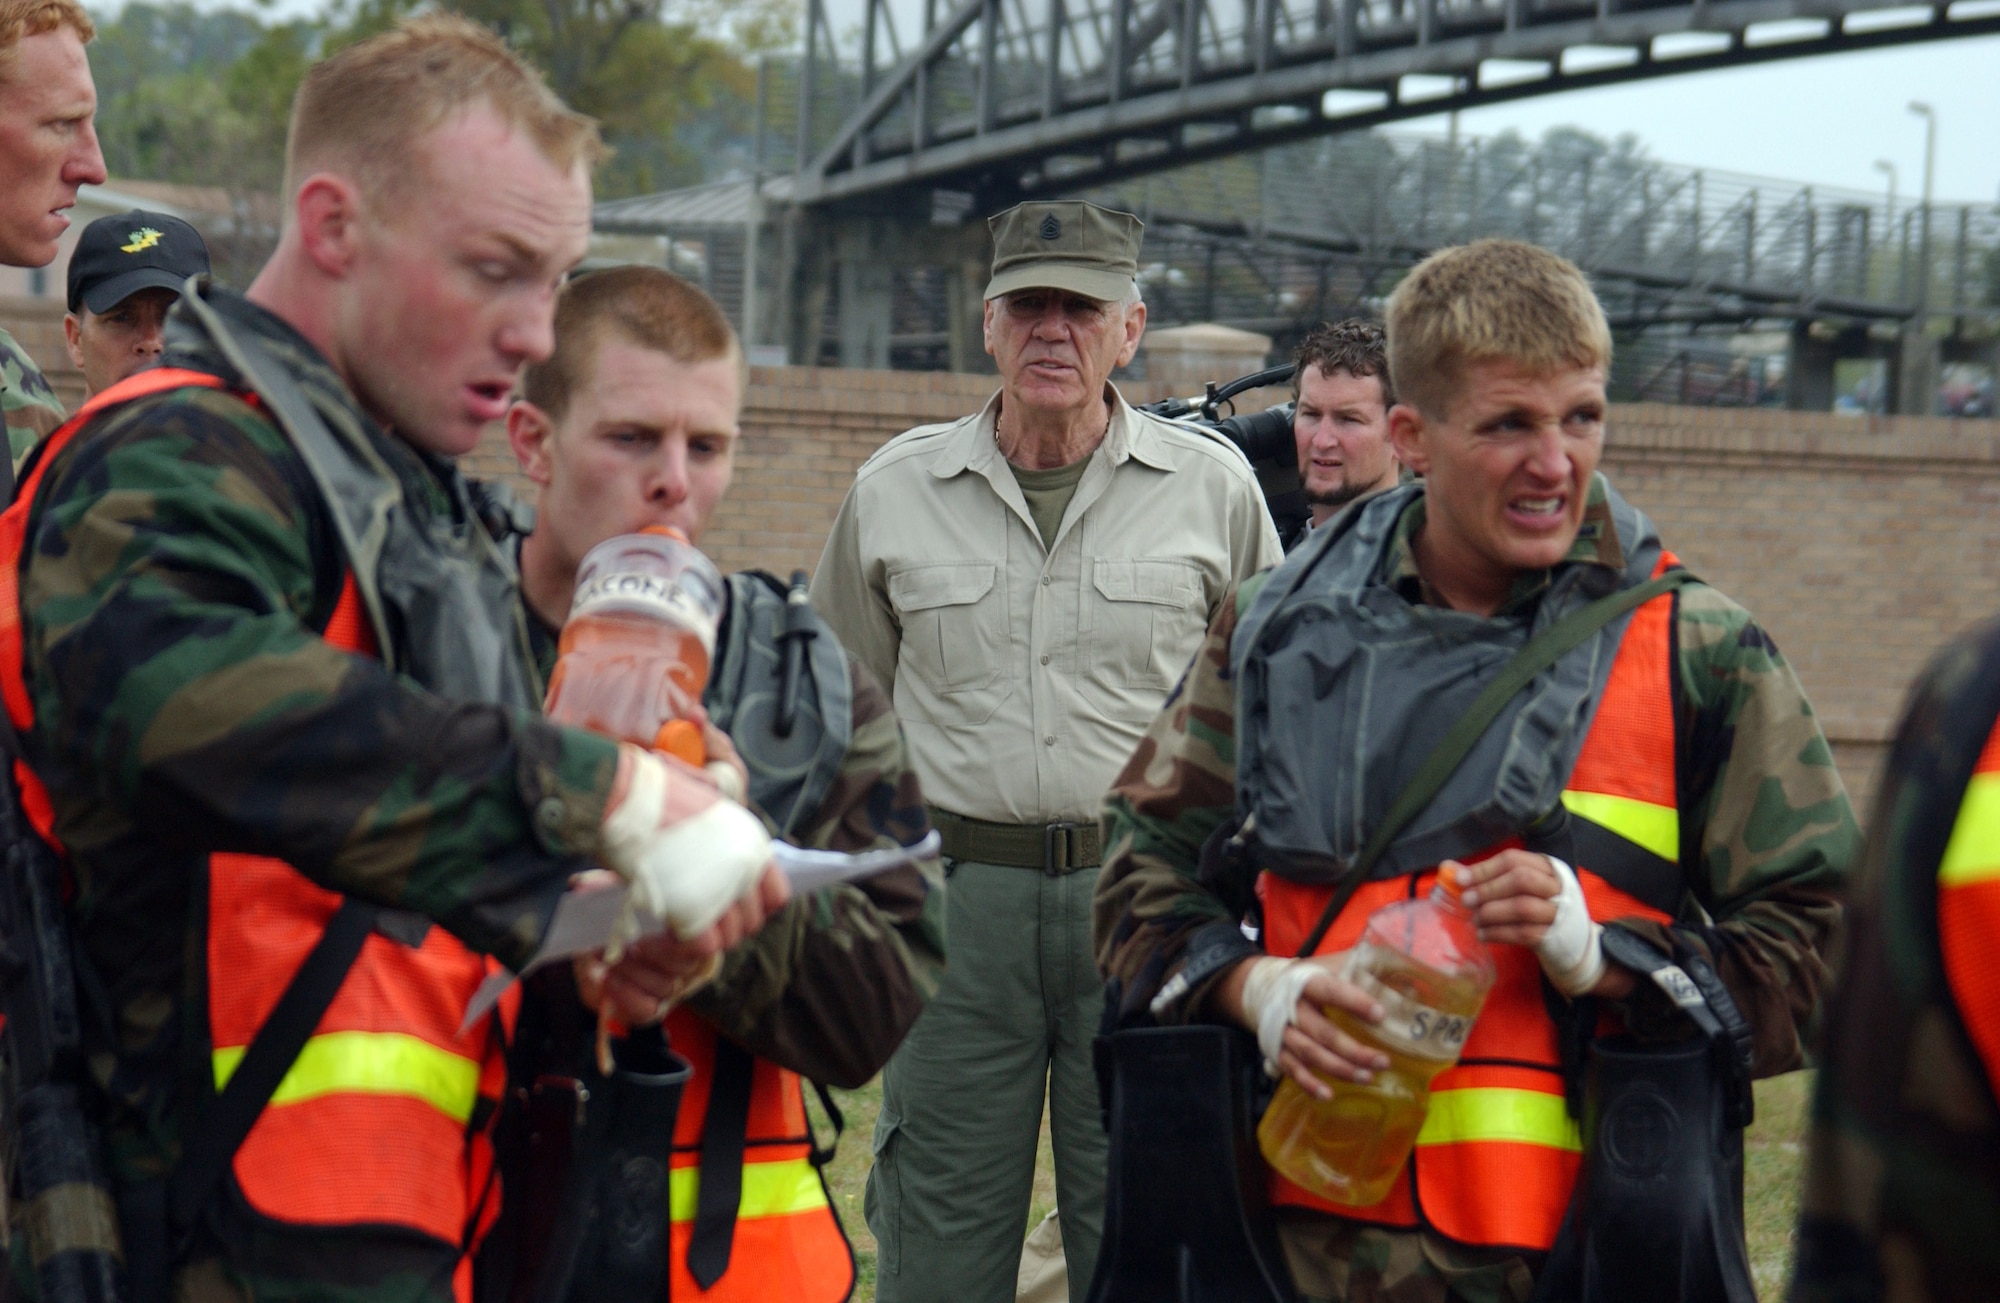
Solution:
(1029, 580)
(1665, 777)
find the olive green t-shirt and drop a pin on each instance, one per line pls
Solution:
(1048, 493)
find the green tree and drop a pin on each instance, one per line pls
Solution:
(652, 72)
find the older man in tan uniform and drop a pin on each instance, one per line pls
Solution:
(1032, 580)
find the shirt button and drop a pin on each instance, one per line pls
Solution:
(1050, 740)
(550, 813)
(1045, 658)
(1046, 581)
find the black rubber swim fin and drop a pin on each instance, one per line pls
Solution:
(1657, 1215)
(1186, 1218)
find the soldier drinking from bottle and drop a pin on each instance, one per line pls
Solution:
(632, 422)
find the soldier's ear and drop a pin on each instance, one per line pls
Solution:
(1407, 436)
(327, 213)
(529, 432)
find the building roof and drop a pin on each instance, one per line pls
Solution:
(215, 209)
(716, 203)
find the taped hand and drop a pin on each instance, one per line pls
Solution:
(1572, 950)
(687, 852)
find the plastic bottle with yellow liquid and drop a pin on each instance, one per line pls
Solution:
(1423, 962)
(635, 651)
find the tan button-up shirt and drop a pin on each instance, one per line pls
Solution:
(1023, 675)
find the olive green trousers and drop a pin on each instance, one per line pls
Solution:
(962, 1100)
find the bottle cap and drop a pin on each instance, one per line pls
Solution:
(681, 739)
(1448, 881)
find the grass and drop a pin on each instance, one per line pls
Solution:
(1772, 1159)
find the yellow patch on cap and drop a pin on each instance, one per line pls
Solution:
(142, 239)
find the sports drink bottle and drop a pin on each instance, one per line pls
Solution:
(635, 650)
(1423, 962)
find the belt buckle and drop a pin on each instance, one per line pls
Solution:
(1054, 835)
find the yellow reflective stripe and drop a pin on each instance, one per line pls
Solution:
(1655, 827)
(1973, 853)
(1499, 1113)
(371, 1063)
(769, 1190)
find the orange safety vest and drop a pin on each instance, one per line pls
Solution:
(1498, 1152)
(383, 1118)
(788, 1245)
(1968, 907)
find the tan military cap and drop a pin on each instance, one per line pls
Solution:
(1064, 244)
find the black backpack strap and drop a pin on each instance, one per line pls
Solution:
(723, 1131)
(821, 1156)
(222, 1127)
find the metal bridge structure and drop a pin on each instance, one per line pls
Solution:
(1007, 99)
(1248, 134)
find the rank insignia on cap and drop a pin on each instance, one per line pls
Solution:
(142, 239)
(1051, 227)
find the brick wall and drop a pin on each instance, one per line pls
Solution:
(1862, 544)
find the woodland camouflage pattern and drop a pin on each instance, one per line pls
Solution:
(1902, 1187)
(178, 566)
(30, 407)
(1760, 801)
(788, 993)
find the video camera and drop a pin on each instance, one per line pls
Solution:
(1264, 437)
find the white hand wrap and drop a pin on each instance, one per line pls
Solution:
(1571, 951)
(1271, 997)
(687, 873)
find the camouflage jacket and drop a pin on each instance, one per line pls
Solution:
(30, 407)
(1756, 779)
(179, 566)
(1902, 1191)
(831, 984)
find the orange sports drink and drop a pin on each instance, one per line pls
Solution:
(635, 650)
(1423, 962)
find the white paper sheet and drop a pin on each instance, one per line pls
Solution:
(585, 914)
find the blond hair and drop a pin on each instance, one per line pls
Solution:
(363, 110)
(20, 19)
(646, 306)
(1492, 300)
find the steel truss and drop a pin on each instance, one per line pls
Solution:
(1011, 98)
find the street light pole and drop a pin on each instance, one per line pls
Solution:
(1921, 383)
(1929, 116)
(1889, 218)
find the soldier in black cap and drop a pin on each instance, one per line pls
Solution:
(126, 272)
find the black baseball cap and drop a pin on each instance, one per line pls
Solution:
(120, 255)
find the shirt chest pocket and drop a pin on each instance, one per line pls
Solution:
(1147, 616)
(954, 639)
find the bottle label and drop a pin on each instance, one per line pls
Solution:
(656, 595)
(1408, 1026)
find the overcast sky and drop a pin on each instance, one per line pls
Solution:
(1824, 119)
